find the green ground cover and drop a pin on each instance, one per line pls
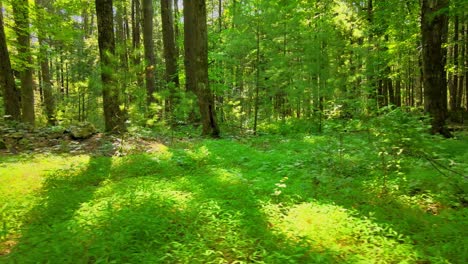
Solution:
(338, 198)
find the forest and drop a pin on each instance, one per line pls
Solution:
(233, 131)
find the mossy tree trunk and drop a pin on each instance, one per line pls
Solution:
(21, 17)
(7, 80)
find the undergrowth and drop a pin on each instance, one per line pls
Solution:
(357, 194)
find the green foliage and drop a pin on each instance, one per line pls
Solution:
(267, 199)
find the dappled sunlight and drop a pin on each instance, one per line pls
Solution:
(27, 176)
(229, 176)
(331, 228)
(315, 139)
(126, 195)
(266, 200)
(347, 18)
(160, 149)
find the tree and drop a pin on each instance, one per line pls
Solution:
(7, 81)
(434, 28)
(49, 102)
(21, 17)
(172, 77)
(114, 116)
(150, 61)
(196, 63)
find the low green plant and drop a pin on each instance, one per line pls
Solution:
(265, 199)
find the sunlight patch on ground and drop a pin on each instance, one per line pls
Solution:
(332, 228)
(226, 176)
(314, 139)
(20, 178)
(130, 194)
(156, 147)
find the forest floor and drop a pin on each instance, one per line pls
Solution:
(299, 198)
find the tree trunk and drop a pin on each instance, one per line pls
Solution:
(461, 67)
(176, 28)
(454, 82)
(434, 28)
(114, 117)
(49, 102)
(398, 92)
(257, 77)
(136, 38)
(21, 17)
(196, 50)
(172, 78)
(150, 61)
(7, 81)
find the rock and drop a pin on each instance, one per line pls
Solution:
(82, 131)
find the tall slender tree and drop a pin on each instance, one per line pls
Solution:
(7, 81)
(196, 63)
(114, 116)
(171, 76)
(49, 102)
(150, 60)
(434, 29)
(21, 17)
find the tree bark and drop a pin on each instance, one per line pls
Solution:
(196, 50)
(454, 83)
(7, 81)
(136, 39)
(176, 28)
(114, 117)
(398, 92)
(172, 77)
(434, 29)
(462, 66)
(150, 61)
(21, 17)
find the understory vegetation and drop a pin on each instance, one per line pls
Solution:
(359, 192)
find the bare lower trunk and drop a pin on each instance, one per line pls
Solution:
(171, 76)
(150, 61)
(114, 117)
(196, 45)
(434, 27)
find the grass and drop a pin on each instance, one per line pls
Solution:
(268, 199)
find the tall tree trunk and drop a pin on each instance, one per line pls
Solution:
(257, 78)
(121, 38)
(11, 95)
(172, 77)
(463, 66)
(21, 17)
(434, 28)
(136, 39)
(196, 47)
(176, 28)
(114, 117)
(398, 92)
(49, 102)
(454, 82)
(150, 61)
